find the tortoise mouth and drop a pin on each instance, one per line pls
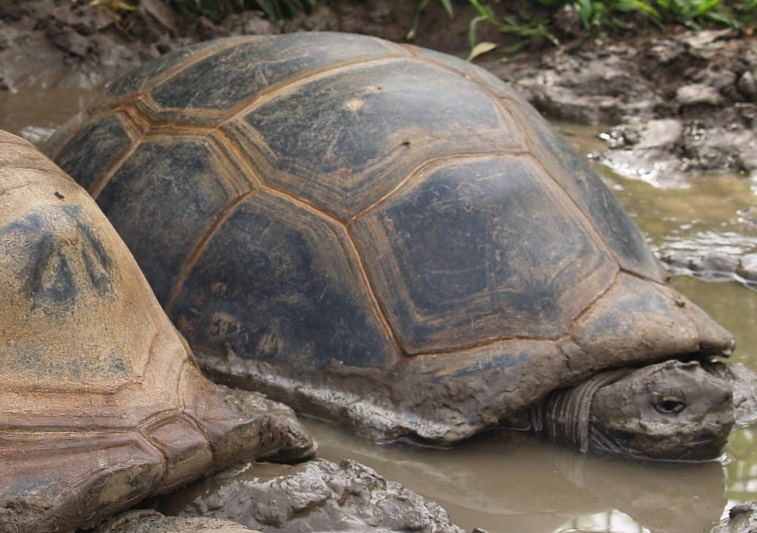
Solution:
(703, 445)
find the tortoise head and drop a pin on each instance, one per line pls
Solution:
(668, 411)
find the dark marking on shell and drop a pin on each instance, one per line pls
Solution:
(50, 278)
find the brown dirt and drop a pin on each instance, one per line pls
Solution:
(676, 103)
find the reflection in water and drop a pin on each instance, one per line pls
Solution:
(707, 218)
(731, 304)
(611, 521)
(509, 482)
(505, 481)
(34, 113)
(741, 467)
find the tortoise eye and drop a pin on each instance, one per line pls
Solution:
(670, 406)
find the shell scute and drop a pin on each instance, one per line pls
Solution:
(178, 185)
(141, 77)
(469, 253)
(640, 322)
(292, 296)
(56, 271)
(344, 140)
(107, 137)
(233, 75)
(585, 188)
(471, 71)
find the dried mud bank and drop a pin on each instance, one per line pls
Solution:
(678, 103)
(741, 519)
(147, 521)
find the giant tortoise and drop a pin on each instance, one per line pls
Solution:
(101, 402)
(392, 238)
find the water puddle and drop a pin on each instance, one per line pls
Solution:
(707, 222)
(511, 482)
(503, 481)
(34, 113)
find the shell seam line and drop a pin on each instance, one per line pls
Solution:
(548, 168)
(336, 224)
(430, 164)
(193, 60)
(136, 134)
(201, 244)
(341, 227)
(371, 290)
(590, 306)
(327, 70)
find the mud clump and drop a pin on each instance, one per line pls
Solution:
(679, 103)
(314, 496)
(741, 519)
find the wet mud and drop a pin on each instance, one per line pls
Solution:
(675, 103)
(147, 521)
(741, 519)
(316, 496)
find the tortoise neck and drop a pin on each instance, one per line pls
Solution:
(565, 416)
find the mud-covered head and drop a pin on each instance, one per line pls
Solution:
(670, 411)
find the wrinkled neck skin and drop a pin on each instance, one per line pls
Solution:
(671, 411)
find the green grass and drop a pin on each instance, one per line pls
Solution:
(534, 22)
(597, 16)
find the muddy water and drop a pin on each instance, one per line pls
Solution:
(692, 216)
(509, 482)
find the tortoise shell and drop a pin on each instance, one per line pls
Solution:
(101, 402)
(374, 232)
